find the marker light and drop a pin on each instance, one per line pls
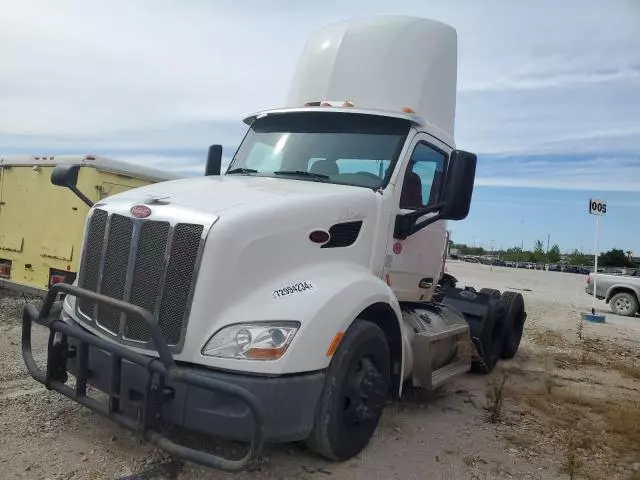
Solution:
(252, 341)
(325, 103)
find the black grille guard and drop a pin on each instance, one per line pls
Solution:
(160, 369)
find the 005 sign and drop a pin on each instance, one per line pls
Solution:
(597, 207)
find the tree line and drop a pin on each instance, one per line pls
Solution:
(615, 257)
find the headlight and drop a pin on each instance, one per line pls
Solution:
(253, 341)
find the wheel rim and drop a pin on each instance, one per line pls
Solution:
(623, 304)
(364, 394)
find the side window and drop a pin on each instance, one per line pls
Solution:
(423, 178)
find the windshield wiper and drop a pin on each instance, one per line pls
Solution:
(303, 173)
(242, 170)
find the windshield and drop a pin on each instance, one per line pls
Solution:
(344, 148)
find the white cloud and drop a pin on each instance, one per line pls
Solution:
(186, 165)
(596, 174)
(149, 76)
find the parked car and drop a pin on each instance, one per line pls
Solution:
(621, 292)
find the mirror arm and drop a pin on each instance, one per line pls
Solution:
(424, 211)
(80, 195)
(406, 223)
(64, 175)
(425, 223)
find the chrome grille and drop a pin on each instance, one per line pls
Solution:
(184, 250)
(93, 254)
(148, 263)
(114, 270)
(147, 275)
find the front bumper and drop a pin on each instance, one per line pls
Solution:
(146, 394)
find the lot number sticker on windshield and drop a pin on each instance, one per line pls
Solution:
(296, 288)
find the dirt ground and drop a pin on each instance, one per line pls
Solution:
(568, 406)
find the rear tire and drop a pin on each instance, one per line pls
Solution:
(354, 393)
(489, 342)
(492, 292)
(624, 304)
(514, 323)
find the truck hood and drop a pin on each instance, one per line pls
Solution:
(256, 242)
(218, 194)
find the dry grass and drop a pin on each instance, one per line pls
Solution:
(590, 424)
(574, 359)
(548, 338)
(495, 398)
(589, 352)
(572, 462)
(627, 369)
(547, 378)
(521, 440)
(596, 427)
(623, 422)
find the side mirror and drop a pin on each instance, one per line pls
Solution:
(67, 176)
(214, 160)
(458, 188)
(456, 198)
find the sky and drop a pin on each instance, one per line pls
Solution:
(548, 95)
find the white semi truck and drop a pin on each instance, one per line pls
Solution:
(290, 296)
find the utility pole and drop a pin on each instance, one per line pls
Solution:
(548, 237)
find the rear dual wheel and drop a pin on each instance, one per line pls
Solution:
(489, 341)
(514, 323)
(354, 393)
(501, 337)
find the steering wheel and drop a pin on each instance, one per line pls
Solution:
(369, 174)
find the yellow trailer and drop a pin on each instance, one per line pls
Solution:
(41, 225)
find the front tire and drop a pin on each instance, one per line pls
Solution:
(354, 393)
(624, 304)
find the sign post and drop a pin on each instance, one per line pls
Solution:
(598, 208)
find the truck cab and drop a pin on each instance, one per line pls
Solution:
(286, 297)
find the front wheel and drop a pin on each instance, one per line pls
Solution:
(624, 304)
(354, 393)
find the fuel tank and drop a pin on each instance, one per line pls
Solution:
(433, 333)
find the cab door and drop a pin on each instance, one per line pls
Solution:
(414, 264)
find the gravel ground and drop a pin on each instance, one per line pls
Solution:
(439, 435)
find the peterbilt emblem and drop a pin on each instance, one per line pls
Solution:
(140, 211)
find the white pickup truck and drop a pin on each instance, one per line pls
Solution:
(286, 298)
(621, 292)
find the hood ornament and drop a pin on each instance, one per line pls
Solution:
(155, 200)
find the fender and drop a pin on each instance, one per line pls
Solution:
(621, 287)
(340, 292)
